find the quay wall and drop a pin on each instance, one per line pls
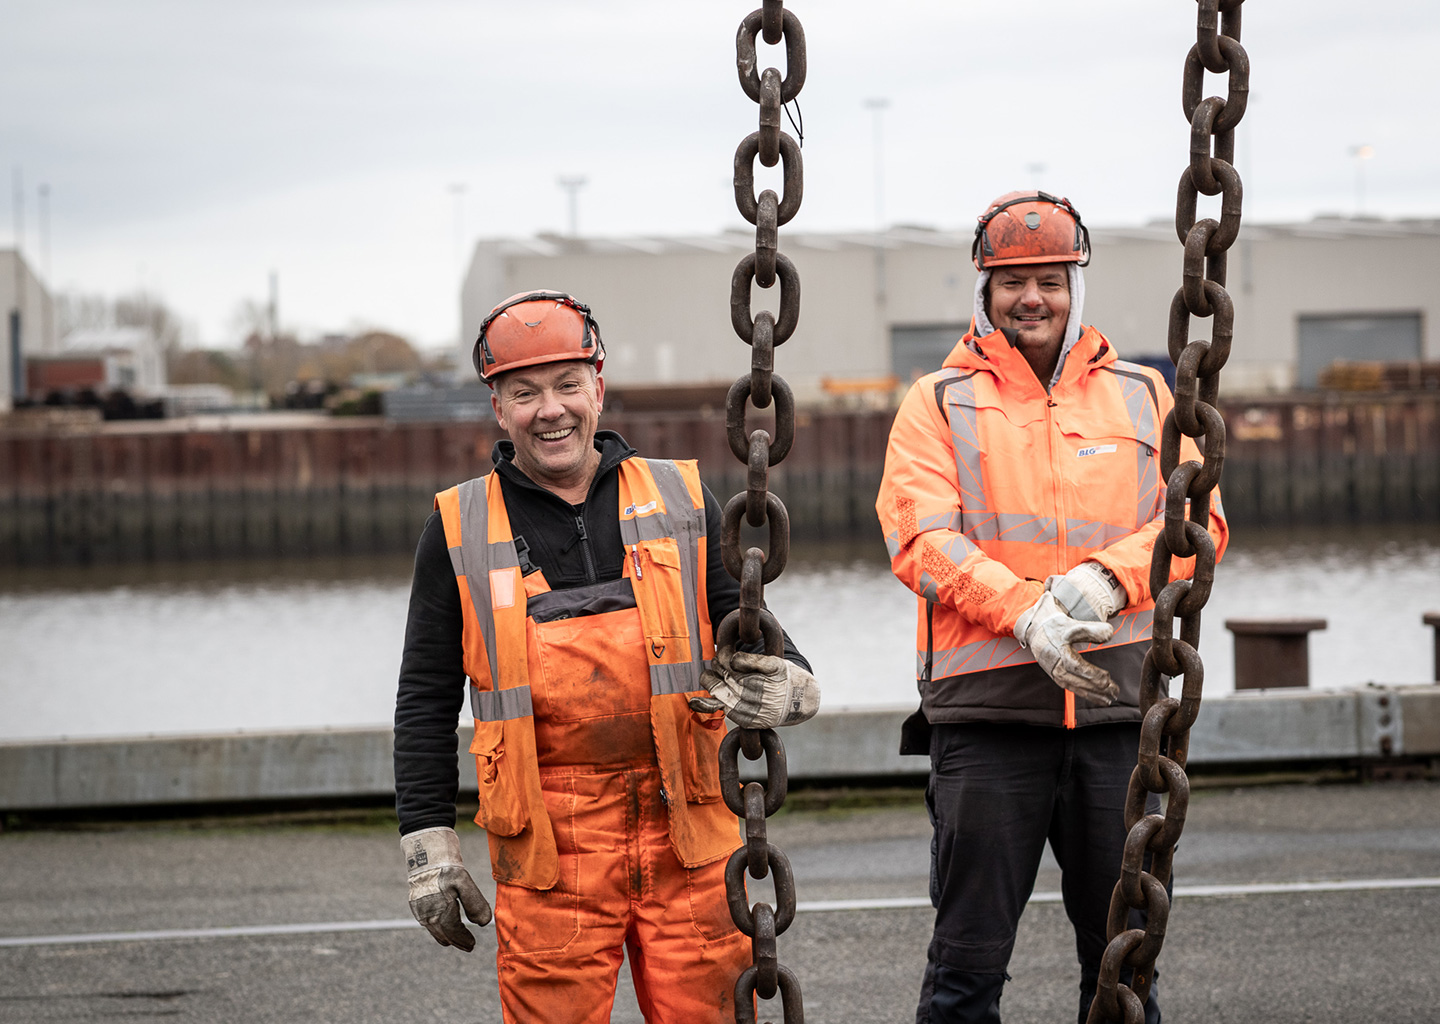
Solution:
(1372, 728)
(264, 486)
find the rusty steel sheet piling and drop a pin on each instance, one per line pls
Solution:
(266, 486)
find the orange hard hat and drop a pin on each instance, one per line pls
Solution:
(1030, 227)
(530, 328)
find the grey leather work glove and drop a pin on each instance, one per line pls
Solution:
(1089, 592)
(1051, 635)
(440, 886)
(758, 691)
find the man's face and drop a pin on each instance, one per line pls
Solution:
(551, 412)
(1034, 299)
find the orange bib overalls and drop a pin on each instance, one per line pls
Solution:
(598, 786)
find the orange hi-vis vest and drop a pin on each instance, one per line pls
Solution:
(991, 485)
(662, 524)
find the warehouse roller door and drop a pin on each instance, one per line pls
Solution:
(1382, 337)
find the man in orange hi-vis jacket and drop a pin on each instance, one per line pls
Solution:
(1021, 499)
(575, 587)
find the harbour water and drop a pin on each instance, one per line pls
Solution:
(315, 643)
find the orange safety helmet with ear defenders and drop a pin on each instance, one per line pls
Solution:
(530, 328)
(1030, 227)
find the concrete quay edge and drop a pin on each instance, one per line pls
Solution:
(1374, 722)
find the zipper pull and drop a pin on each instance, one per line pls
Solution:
(635, 560)
(580, 526)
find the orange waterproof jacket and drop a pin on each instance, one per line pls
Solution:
(991, 485)
(662, 523)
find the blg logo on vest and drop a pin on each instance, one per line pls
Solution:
(1095, 449)
(640, 510)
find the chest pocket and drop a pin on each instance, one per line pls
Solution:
(1110, 467)
(663, 617)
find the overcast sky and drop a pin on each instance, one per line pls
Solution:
(190, 147)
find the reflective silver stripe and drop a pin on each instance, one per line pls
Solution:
(686, 523)
(1140, 404)
(941, 521)
(650, 526)
(500, 705)
(682, 678)
(474, 529)
(965, 440)
(1004, 651)
(457, 559)
(997, 652)
(1084, 533)
(1016, 527)
(960, 541)
(478, 556)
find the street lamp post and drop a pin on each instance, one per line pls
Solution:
(1362, 152)
(573, 183)
(457, 190)
(877, 105)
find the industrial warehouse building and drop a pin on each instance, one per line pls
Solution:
(890, 304)
(27, 323)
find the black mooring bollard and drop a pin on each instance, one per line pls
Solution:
(1272, 652)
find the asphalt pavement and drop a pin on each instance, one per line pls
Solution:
(1295, 903)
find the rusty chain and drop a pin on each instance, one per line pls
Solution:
(1166, 721)
(760, 449)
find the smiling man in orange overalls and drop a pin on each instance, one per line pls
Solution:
(575, 588)
(1020, 501)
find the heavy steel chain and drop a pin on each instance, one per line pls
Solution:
(760, 449)
(1166, 721)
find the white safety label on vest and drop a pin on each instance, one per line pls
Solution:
(640, 510)
(1095, 449)
(502, 588)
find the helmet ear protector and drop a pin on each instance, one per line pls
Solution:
(516, 341)
(1047, 230)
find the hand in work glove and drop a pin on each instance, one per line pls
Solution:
(761, 691)
(440, 886)
(1050, 634)
(1089, 592)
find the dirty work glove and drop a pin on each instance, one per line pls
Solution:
(440, 886)
(1089, 592)
(1050, 634)
(761, 691)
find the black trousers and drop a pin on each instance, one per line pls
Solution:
(997, 794)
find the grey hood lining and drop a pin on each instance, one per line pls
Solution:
(1076, 277)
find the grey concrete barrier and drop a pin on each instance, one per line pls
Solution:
(1256, 727)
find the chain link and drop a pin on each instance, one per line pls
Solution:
(761, 449)
(1166, 721)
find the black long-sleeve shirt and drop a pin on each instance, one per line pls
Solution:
(574, 545)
